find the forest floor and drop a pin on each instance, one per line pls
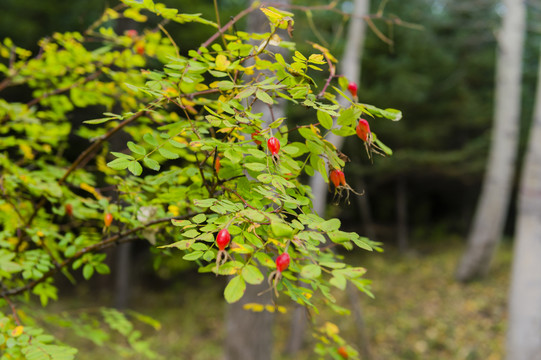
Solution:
(419, 312)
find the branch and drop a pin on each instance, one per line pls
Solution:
(98, 143)
(226, 27)
(108, 242)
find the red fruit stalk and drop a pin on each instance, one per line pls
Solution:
(352, 87)
(282, 262)
(222, 239)
(274, 145)
(108, 219)
(217, 164)
(363, 130)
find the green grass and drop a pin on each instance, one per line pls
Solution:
(419, 312)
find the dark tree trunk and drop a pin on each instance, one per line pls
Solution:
(249, 333)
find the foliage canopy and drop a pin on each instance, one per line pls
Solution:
(189, 170)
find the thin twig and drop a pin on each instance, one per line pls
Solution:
(13, 310)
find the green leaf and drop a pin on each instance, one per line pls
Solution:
(176, 222)
(246, 92)
(119, 164)
(256, 166)
(324, 119)
(339, 281)
(193, 255)
(102, 269)
(263, 96)
(88, 270)
(138, 149)
(225, 85)
(387, 150)
(135, 168)
(352, 272)
(362, 243)
(199, 218)
(252, 275)
(99, 121)
(281, 229)
(150, 139)
(168, 154)
(181, 245)
(235, 289)
(151, 164)
(311, 271)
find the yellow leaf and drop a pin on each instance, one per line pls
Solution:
(276, 242)
(187, 102)
(275, 40)
(201, 87)
(325, 51)
(27, 151)
(171, 92)
(222, 63)
(18, 330)
(254, 307)
(173, 209)
(241, 248)
(330, 328)
(91, 190)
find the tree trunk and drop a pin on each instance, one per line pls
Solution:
(351, 69)
(493, 203)
(251, 332)
(523, 337)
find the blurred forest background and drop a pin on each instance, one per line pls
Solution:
(439, 71)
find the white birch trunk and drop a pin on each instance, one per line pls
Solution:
(524, 334)
(351, 69)
(251, 333)
(493, 203)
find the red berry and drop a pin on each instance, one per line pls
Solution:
(69, 210)
(140, 49)
(222, 239)
(274, 145)
(282, 262)
(131, 33)
(217, 164)
(342, 178)
(363, 130)
(254, 134)
(343, 352)
(108, 219)
(352, 87)
(337, 177)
